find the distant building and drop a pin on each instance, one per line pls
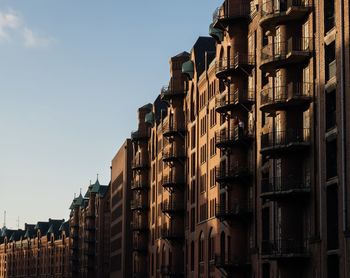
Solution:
(40, 250)
(90, 232)
(121, 188)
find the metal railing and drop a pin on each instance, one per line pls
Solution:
(226, 260)
(138, 204)
(279, 50)
(168, 206)
(173, 153)
(139, 226)
(239, 59)
(170, 234)
(286, 137)
(232, 172)
(139, 163)
(284, 247)
(281, 94)
(233, 208)
(278, 7)
(240, 10)
(139, 135)
(168, 91)
(138, 185)
(172, 128)
(233, 98)
(284, 183)
(139, 246)
(233, 135)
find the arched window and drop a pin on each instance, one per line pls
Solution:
(222, 246)
(192, 255)
(201, 247)
(211, 246)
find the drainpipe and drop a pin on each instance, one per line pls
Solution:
(342, 120)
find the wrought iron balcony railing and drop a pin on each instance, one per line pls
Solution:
(291, 139)
(222, 16)
(234, 99)
(284, 186)
(230, 138)
(273, 12)
(236, 173)
(239, 61)
(172, 207)
(138, 204)
(171, 235)
(295, 95)
(139, 185)
(285, 248)
(234, 210)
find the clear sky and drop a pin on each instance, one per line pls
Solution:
(72, 75)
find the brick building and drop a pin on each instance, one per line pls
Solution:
(40, 250)
(89, 225)
(247, 164)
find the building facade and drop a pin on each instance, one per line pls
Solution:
(40, 250)
(89, 225)
(247, 163)
(121, 190)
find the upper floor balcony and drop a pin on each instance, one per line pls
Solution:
(139, 246)
(139, 185)
(280, 54)
(138, 205)
(168, 92)
(170, 271)
(139, 164)
(235, 137)
(228, 263)
(170, 182)
(172, 207)
(173, 129)
(284, 142)
(172, 234)
(233, 100)
(139, 135)
(292, 96)
(282, 249)
(284, 187)
(227, 15)
(241, 62)
(275, 12)
(139, 226)
(234, 210)
(235, 173)
(173, 154)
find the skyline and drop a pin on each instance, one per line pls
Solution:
(69, 82)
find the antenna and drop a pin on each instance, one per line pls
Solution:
(5, 218)
(97, 176)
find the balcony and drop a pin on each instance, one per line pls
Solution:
(170, 271)
(222, 17)
(235, 137)
(223, 261)
(276, 12)
(138, 135)
(167, 93)
(278, 188)
(216, 33)
(138, 205)
(171, 207)
(280, 54)
(168, 234)
(139, 165)
(285, 249)
(139, 227)
(240, 63)
(170, 182)
(235, 210)
(233, 174)
(285, 142)
(139, 186)
(172, 155)
(292, 96)
(170, 130)
(139, 247)
(234, 100)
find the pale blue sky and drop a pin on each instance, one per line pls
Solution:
(72, 75)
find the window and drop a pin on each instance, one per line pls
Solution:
(211, 246)
(203, 183)
(331, 109)
(332, 217)
(212, 177)
(203, 212)
(201, 248)
(203, 154)
(192, 256)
